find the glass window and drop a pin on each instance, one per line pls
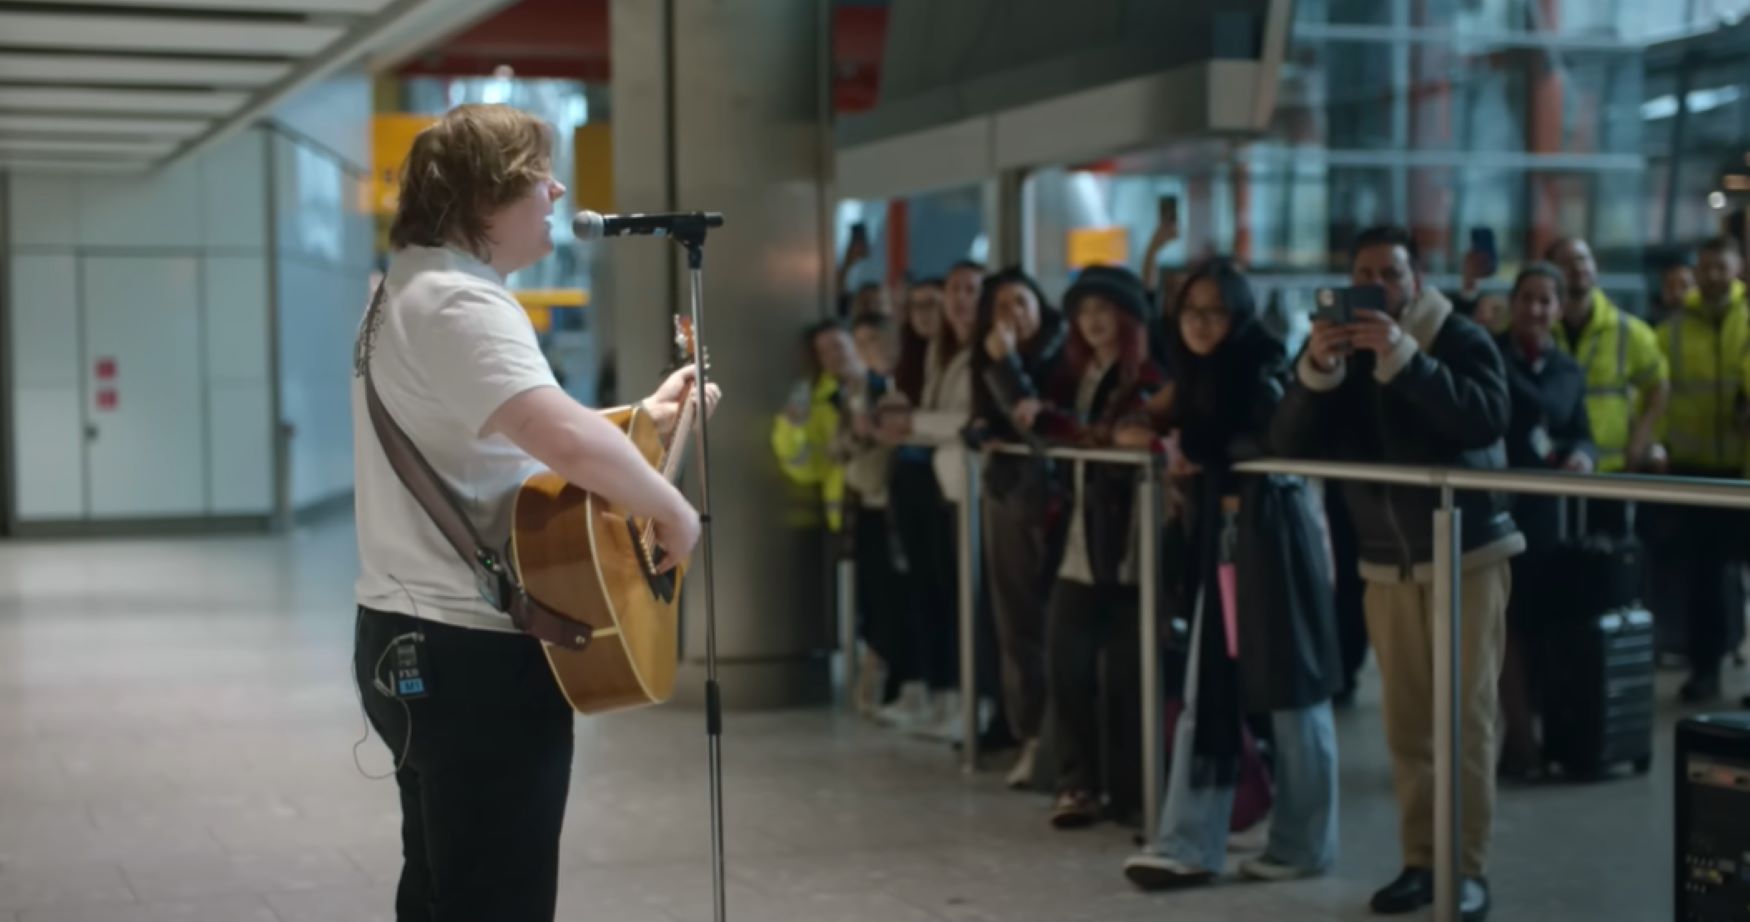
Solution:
(1343, 94)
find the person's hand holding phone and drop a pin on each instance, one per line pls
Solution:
(1329, 344)
(1374, 331)
(858, 249)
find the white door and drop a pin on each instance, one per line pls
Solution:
(142, 362)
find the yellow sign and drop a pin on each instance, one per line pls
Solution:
(539, 302)
(592, 167)
(392, 137)
(1098, 246)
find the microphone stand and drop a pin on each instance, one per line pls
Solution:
(692, 239)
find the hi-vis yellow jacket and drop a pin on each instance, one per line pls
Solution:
(1708, 375)
(805, 456)
(1623, 363)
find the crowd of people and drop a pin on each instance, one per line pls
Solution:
(1273, 586)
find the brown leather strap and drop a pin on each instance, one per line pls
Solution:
(497, 583)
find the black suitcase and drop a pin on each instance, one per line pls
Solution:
(1599, 655)
(1598, 692)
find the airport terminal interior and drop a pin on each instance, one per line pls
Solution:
(983, 273)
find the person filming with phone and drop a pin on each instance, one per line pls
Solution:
(1392, 374)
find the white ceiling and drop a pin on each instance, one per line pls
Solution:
(128, 85)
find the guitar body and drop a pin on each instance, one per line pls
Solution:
(575, 553)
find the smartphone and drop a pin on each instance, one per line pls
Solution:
(1338, 305)
(1169, 206)
(859, 233)
(1482, 240)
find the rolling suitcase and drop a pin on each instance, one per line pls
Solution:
(1599, 657)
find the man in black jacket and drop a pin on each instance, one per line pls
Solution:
(1418, 385)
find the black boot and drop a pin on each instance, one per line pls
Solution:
(1413, 889)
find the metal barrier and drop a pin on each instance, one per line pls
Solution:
(1148, 500)
(1447, 554)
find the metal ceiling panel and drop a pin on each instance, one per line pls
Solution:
(348, 7)
(11, 124)
(68, 146)
(165, 102)
(89, 69)
(40, 164)
(162, 34)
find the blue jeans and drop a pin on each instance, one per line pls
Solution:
(1303, 822)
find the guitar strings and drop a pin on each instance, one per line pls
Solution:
(377, 681)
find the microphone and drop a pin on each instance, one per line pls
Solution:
(590, 225)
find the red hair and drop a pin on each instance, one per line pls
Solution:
(1132, 347)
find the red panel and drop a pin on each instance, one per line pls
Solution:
(106, 400)
(537, 38)
(898, 240)
(1544, 136)
(859, 39)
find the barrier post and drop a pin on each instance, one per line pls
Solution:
(1148, 501)
(971, 569)
(1448, 751)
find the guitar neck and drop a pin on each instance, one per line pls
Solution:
(677, 444)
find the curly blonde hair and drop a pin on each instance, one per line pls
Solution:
(478, 159)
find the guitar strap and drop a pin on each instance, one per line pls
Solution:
(498, 584)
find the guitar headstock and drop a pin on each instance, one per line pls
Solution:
(685, 346)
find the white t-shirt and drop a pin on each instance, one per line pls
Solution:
(449, 346)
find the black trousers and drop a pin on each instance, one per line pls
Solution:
(1704, 570)
(928, 527)
(1088, 623)
(486, 774)
(882, 616)
(1351, 613)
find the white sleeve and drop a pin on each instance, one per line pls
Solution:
(479, 351)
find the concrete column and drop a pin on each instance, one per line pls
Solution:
(717, 107)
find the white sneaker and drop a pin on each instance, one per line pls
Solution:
(1158, 872)
(911, 709)
(1266, 868)
(1251, 839)
(1021, 776)
(944, 721)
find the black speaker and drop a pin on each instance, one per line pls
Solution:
(1713, 818)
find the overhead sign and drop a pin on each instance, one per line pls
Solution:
(1098, 246)
(392, 137)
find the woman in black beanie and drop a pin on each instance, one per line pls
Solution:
(1098, 399)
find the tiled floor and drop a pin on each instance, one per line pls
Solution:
(176, 727)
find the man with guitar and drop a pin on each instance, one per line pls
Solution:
(456, 686)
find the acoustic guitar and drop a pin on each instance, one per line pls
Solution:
(589, 561)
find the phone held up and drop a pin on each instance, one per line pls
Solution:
(1338, 305)
(1482, 240)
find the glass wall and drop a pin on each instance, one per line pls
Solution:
(1530, 119)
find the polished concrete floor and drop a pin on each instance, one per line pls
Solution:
(177, 722)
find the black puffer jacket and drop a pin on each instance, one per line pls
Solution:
(1447, 406)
